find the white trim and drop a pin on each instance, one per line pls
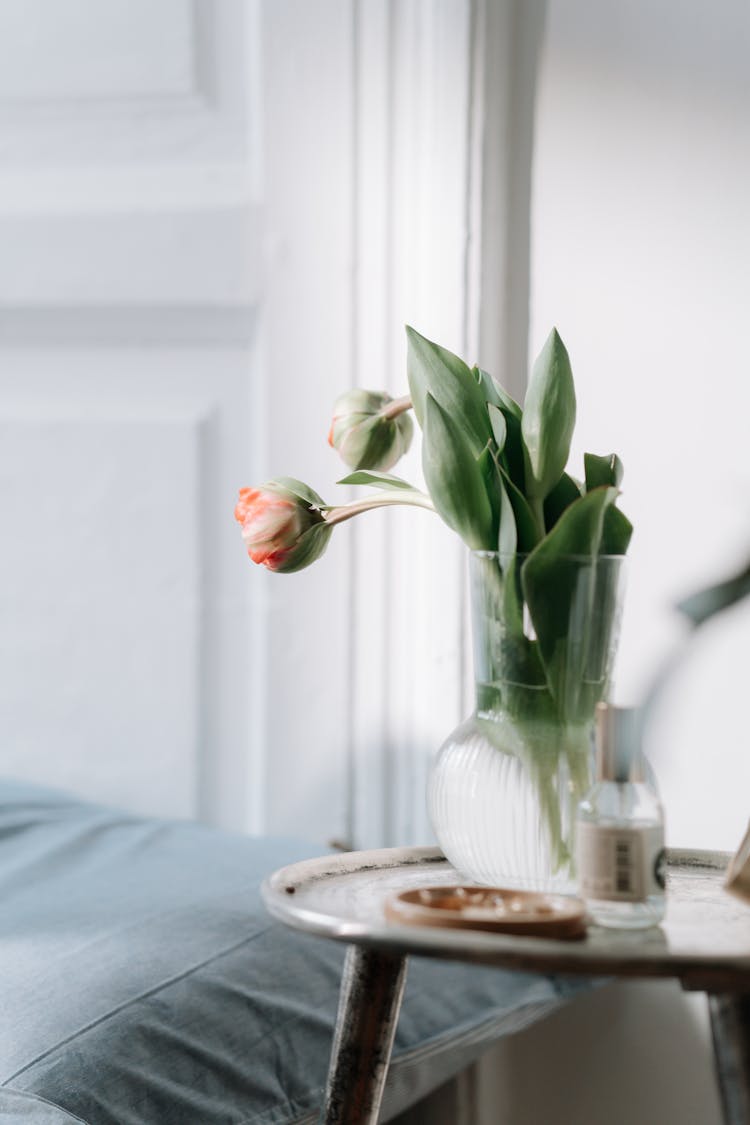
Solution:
(444, 122)
(42, 327)
(413, 67)
(196, 257)
(370, 538)
(507, 49)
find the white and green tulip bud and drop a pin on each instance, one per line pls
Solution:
(282, 524)
(370, 430)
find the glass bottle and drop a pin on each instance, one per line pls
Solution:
(620, 838)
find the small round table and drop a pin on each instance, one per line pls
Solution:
(704, 942)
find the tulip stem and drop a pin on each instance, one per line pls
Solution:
(347, 511)
(398, 406)
(537, 508)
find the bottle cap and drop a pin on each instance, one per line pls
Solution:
(618, 743)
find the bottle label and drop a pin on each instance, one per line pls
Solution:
(620, 864)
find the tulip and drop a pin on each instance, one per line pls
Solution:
(370, 430)
(286, 525)
(282, 524)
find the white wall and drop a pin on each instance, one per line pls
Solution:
(130, 277)
(591, 1062)
(641, 252)
(635, 1053)
(641, 244)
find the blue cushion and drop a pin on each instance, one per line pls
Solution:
(143, 982)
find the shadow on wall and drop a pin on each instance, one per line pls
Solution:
(593, 1062)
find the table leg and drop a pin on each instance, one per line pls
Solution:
(730, 1028)
(371, 990)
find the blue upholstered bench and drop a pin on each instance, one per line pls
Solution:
(142, 982)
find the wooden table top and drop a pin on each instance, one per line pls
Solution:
(704, 940)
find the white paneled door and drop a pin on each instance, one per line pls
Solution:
(175, 322)
(215, 215)
(129, 349)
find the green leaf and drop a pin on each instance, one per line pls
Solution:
(496, 394)
(499, 425)
(511, 513)
(566, 492)
(520, 660)
(455, 479)
(513, 453)
(602, 471)
(526, 526)
(435, 371)
(373, 444)
(549, 414)
(492, 485)
(310, 547)
(503, 655)
(701, 606)
(506, 429)
(577, 532)
(616, 532)
(561, 594)
(377, 480)
(507, 540)
(299, 489)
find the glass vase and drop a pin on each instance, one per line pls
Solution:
(503, 792)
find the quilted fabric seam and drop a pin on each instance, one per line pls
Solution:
(134, 1000)
(45, 1101)
(419, 1053)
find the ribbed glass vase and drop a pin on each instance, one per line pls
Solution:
(505, 785)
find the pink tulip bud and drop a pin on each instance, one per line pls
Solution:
(363, 432)
(282, 529)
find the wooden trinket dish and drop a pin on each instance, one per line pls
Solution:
(497, 909)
